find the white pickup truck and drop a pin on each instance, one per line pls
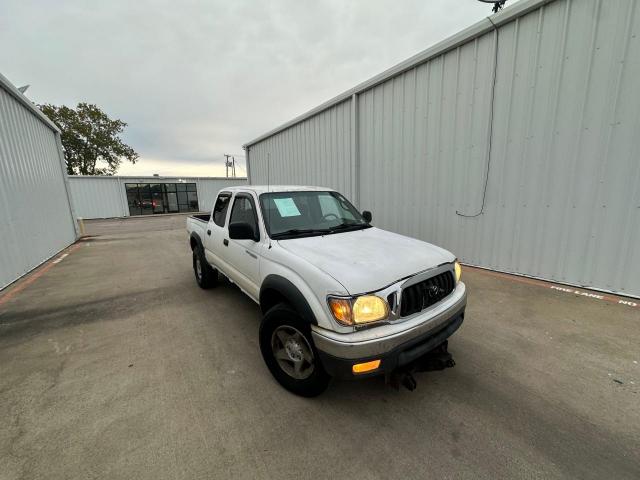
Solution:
(340, 297)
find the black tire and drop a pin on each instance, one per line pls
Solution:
(314, 379)
(206, 276)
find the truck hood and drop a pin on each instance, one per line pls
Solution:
(367, 260)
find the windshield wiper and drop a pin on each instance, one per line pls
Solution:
(319, 231)
(355, 226)
(299, 231)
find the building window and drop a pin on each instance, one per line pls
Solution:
(151, 198)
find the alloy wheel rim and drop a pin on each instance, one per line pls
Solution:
(292, 352)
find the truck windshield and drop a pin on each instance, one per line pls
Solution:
(308, 213)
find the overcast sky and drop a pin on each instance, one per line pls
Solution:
(195, 80)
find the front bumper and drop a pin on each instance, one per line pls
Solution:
(396, 349)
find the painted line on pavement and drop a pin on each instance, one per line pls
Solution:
(619, 300)
(59, 259)
(12, 292)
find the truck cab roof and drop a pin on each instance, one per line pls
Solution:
(260, 189)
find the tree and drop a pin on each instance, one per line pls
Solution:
(90, 139)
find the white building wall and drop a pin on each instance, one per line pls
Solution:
(208, 188)
(98, 197)
(562, 199)
(36, 221)
(105, 197)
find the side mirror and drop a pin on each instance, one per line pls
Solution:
(366, 214)
(242, 231)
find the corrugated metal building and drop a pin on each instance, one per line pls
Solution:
(122, 196)
(527, 122)
(36, 218)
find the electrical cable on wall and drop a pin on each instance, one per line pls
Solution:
(490, 139)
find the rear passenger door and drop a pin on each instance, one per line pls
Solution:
(216, 230)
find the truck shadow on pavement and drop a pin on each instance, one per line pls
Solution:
(16, 321)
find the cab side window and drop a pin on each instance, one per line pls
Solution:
(220, 209)
(244, 211)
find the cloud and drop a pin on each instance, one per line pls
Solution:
(195, 80)
(181, 168)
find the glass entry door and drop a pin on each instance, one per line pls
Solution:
(157, 198)
(145, 198)
(172, 198)
(133, 199)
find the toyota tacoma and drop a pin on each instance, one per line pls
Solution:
(339, 296)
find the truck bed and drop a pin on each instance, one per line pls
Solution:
(203, 217)
(197, 224)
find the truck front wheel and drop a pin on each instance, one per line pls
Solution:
(288, 351)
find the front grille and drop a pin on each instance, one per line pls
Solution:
(422, 295)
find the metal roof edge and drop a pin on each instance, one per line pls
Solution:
(478, 29)
(20, 97)
(151, 177)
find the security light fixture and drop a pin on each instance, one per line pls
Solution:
(497, 4)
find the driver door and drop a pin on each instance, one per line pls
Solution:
(244, 255)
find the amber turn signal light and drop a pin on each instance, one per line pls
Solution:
(341, 310)
(366, 366)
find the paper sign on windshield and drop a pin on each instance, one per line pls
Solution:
(286, 207)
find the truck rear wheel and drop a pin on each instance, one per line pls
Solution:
(289, 352)
(206, 277)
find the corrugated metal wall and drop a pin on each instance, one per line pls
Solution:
(208, 188)
(105, 197)
(98, 197)
(293, 156)
(36, 221)
(563, 192)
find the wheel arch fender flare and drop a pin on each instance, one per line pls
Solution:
(276, 289)
(195, 241)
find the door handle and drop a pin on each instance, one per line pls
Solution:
(252, 255)
(208, 232)
(226, 242)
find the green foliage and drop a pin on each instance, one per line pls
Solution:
(90, 139)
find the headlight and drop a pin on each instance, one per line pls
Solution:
(369, 308)
(458, 270)
(359, 310)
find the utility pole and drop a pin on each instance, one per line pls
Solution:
(226, 163)
(230, 163)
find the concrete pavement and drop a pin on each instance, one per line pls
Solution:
(114, 364)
